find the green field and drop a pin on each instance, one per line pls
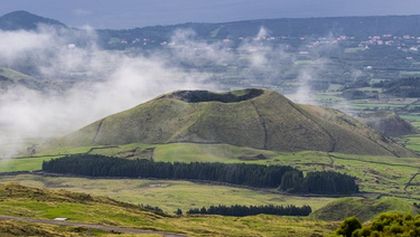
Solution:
(376, 106)
(36, 203)
(375, 173)
(166, 194)
(413, 142)
(23, 164)
(380, 174)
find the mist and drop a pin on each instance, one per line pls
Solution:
(83, 83)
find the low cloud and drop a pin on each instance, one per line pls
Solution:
(84, 83)
(92, 83)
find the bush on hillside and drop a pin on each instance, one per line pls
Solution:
(384, 225)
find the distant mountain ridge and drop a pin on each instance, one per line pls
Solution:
(296, 27)
(23, 20)
(358, 26)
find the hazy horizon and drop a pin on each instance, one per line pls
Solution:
(140, 13)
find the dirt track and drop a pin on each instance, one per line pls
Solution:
(114, 229)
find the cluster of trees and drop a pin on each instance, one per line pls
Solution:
(288, 179)
(386, 224)
(320, 182)
(156, 210)
(239, 210)
(241, 174)
(328, 182)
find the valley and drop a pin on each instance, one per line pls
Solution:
(273, 127)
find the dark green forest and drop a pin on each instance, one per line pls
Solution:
(240, 210)
(285, 178)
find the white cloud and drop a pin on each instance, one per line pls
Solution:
(108, 82)
(101, 82)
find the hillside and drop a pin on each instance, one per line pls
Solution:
(23, 20)
(388, 123)
(364, 209)
(34, 210)
(253, 118)
(10, 78)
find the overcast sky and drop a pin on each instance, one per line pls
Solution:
(132, 13)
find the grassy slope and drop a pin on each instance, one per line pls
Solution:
(37, 203)
(364, 209)
(10, 77)
(268, 121)
(13, 75)
(19, 229)
(168, 195)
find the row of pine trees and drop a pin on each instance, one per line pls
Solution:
(240, 210)
(285, 178)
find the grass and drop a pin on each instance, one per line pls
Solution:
(17, 229)
(268, 121)
(38, 203)
(205, 152)
(166, 194)
(375, 173)
(23, 164)
(379, 174)
(411, 117)
(413, 142)
(374, 106)
(364, 209)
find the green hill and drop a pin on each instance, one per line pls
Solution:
(23, 20)
(255, 118)
(388, 123)
(364, 209)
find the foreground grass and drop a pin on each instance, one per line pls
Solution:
(166, 194)
(19, 228)
(36, 203)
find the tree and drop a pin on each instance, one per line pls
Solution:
(385, 225)
(349, 225)
(240, 210)
(178, 212)
(291, 181)
(262, 176)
